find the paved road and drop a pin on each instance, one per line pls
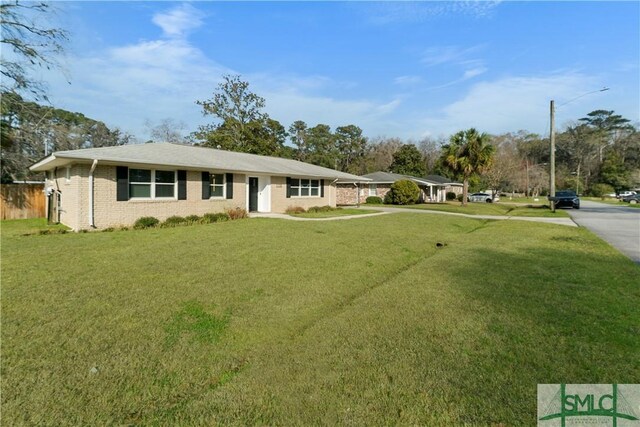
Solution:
(618, 225)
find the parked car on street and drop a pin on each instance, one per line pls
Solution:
(633, 199)
(624, 194)
(566, 199)
(482, 197)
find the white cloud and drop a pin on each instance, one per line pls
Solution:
(407, 80)
(474, 72)
(156, 79)
(178, 21)
(514, 103)
(415, 12)
(440, 55)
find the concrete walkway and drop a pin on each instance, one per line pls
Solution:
(388, 210)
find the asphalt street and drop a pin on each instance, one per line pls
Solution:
(619, 225)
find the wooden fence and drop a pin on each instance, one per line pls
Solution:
(21, 201)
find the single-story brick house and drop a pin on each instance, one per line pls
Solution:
(433, 188)
(112, 186)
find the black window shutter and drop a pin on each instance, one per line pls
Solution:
(206, 183)
(122, 178)
(322, 188)
(229, 179)
(288, 187)
(182, 185)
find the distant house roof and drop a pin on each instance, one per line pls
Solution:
(390, 178)
(190, 157)
(441, 180)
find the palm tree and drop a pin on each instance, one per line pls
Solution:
(468, 153)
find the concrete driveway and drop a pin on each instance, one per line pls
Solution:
(618, 225)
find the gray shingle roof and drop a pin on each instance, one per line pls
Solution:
(440, 179)
(187, 156)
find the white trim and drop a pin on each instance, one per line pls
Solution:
(299, 188)
(152, 185)
(91, 215)
(224, 186)
(264, 192)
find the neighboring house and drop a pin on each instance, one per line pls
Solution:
(112, 186)
(432, 188)
(449, 185)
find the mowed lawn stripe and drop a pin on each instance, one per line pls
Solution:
(451, 347)
(362, 322)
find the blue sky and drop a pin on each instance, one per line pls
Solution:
(405, 69)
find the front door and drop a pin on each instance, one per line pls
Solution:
(253, 194)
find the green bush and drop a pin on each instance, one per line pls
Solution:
(600, 190)
(146, 222)
(173, 221)
(388, 198)
(193, 219)
(451, 195)
(210, 218)
(373, 200)
(292, 210)
(404, 192)
(459, 197)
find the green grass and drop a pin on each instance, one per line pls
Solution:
(607, 200)
(276, 322)
(499, 208)
(334, 213)
(542, 200)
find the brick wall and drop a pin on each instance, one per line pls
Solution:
(108, 212)
(280, 202)
(348, 194)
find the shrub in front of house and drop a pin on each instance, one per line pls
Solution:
(388, 198)
(373, 200)
(459, 198)
(145, 222)
(173, 221)
(237, 213)
(404, 192)
(292, 210)
(210, 218)
(193, 219)
(451, 195)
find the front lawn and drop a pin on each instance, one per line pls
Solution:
(391, 319)
(334, 213)
(499, 208)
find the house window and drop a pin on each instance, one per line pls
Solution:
(305, 187)
(373, 190)
(151, 184)
(165, 184)
(217, 185)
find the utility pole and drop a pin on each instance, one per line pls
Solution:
(552, 159)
